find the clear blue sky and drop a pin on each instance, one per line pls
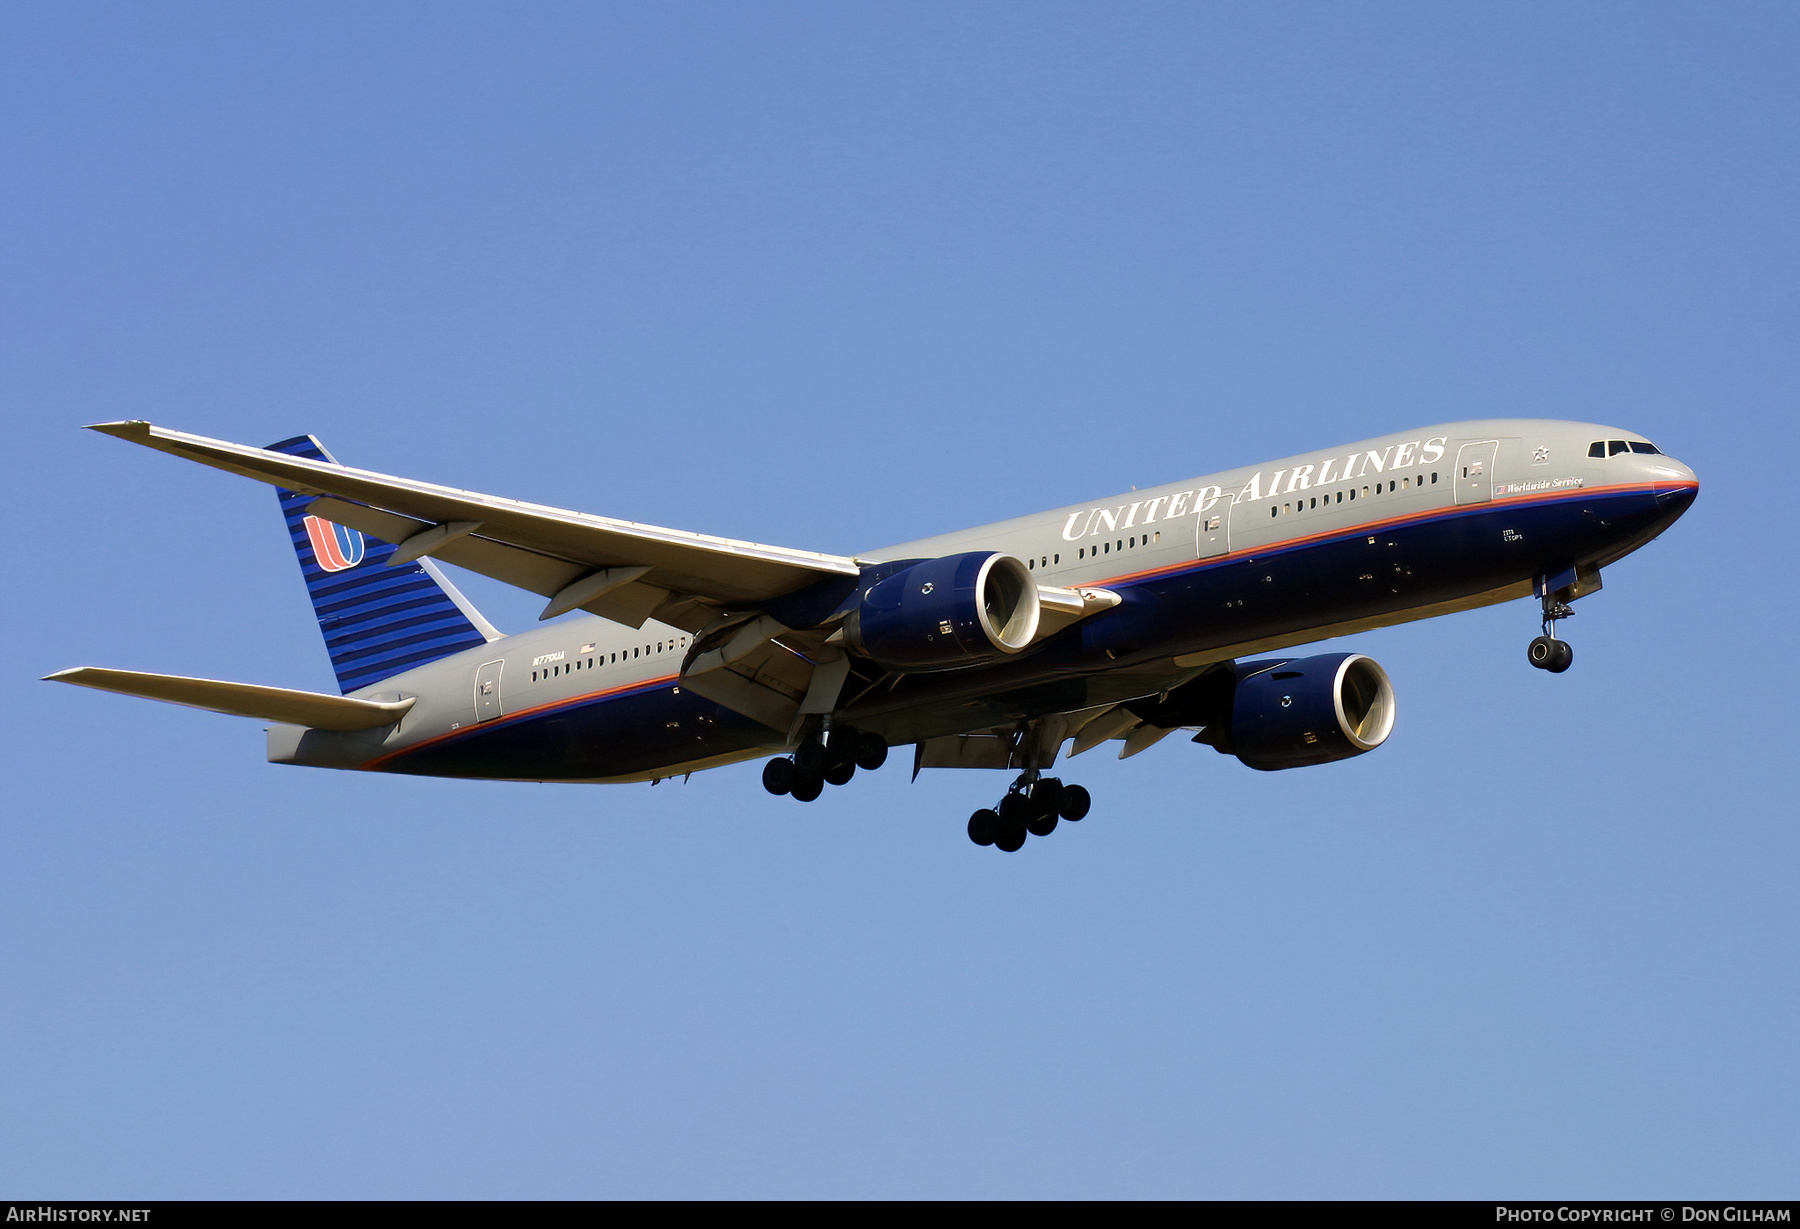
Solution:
(836, 276)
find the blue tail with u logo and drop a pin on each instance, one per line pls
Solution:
(377, 620)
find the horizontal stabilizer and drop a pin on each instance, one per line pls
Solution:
(308, 708)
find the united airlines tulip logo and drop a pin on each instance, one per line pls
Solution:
(335, 547)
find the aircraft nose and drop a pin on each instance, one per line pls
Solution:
(1676, 484)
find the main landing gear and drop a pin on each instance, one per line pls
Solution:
(1032, 806)
(819, 762)
(1546, 652)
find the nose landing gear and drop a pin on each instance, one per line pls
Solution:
(1546, 652)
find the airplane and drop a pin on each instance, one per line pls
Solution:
(1115, 620)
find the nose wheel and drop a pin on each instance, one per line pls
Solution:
(1548, 653)
(1545, 651)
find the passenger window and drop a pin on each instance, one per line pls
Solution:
(1433, 477)
(1273, 510)
(1597, 448)
(1615, 447)
(1056, 558)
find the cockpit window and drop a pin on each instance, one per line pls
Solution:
(1645, 446)
(1615, 447)
(1597, 448)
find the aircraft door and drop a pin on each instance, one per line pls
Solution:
(1214, 532)
(1246, 531)
(1475, 472)
(487, 690)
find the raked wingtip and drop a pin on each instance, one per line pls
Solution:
(124, 430)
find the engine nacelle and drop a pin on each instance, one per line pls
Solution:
(941, 614)
(1311, 710)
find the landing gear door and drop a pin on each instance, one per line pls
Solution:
(1214, 531)
(487, 690)
(1475, 472)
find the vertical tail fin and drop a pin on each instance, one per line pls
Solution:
(377, 620)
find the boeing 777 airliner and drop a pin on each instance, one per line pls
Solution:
(1122, 619)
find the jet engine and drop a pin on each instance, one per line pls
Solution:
(941, 614)
(1286, 712)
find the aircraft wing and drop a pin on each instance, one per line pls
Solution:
(619, 569)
